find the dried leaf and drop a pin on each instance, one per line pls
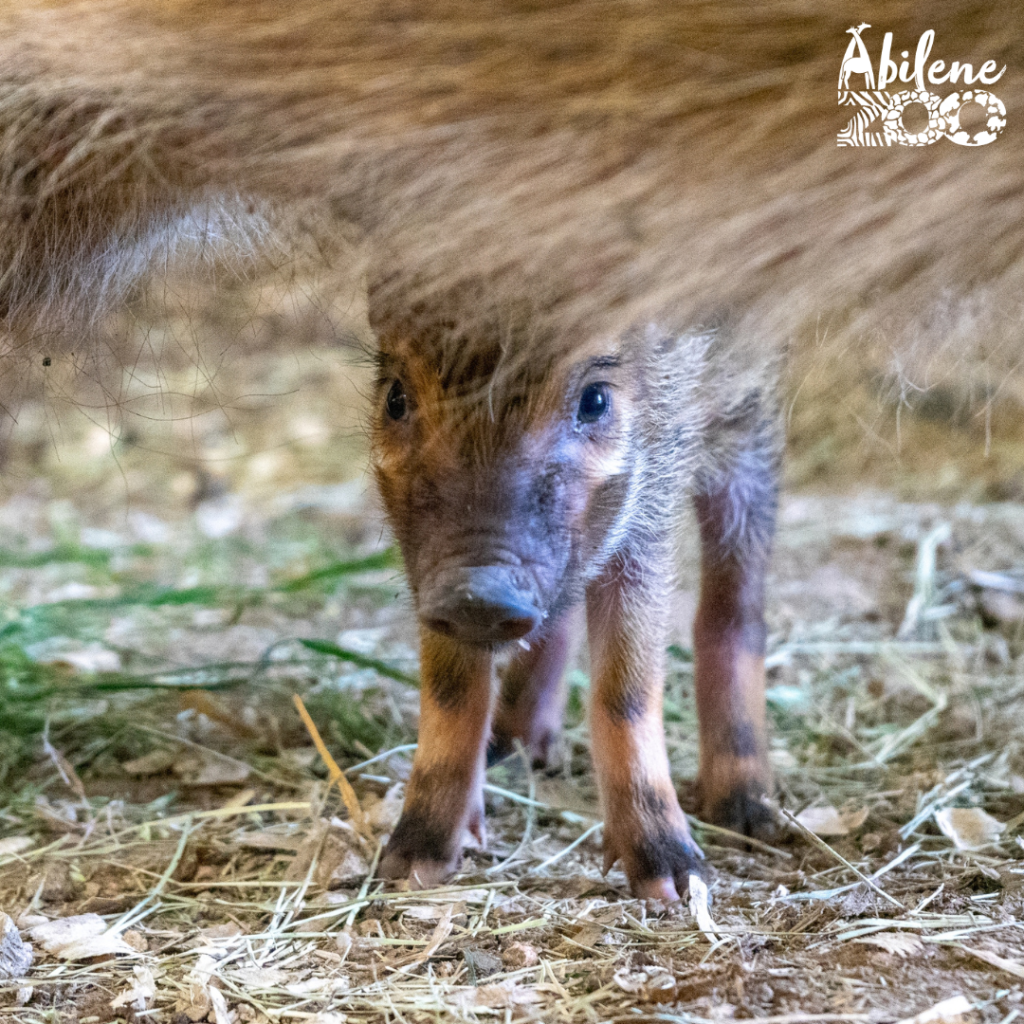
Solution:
(262, 977)
(55, 935)
(949, 1011)
(520, 955)
(970, 828)
(652, 984)
(894, 942)
(433, 911)
(589, 935)
(827, 821)
(699, 901)
(227, 930)
(1010, 966)
(139, 993)
(219, 1006)
(156, 762)
(382, 814)
(496, 997)
(15, 844)
(207, 768)
(317, 986)
(136, 940)
(339, 862)
(98, 945)
(193, 1002)
(440, 934)
(15, 954)
(289, 836)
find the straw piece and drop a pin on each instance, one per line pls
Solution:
(336, 775)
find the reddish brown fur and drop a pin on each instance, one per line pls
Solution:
(444, 796)
(729, 638)
(488, 473)
(644, 826)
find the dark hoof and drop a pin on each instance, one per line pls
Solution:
(658, 866)
(746, 812)
(503, 746)
(498, 749)
(424, 852)
(421, 874)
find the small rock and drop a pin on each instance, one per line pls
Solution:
(480, 964)
(136, 940)
(1000, 610)
(520, 955)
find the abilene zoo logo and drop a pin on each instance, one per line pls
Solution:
(944, 115)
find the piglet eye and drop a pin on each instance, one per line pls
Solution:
(396, 404)
(594, 403)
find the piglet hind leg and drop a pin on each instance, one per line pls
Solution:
(736, 514)
(644, 827)
(532, 699)
(444, 797)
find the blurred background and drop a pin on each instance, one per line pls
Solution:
(249, 382)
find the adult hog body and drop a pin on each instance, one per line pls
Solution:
(644, 197)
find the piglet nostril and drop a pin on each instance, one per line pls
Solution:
(480, 605)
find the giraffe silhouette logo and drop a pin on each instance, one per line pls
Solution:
(874, 104)
(856, 61)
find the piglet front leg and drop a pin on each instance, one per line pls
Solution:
(644, 826)
(444, 797)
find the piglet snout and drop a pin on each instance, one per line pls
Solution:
(482, 604)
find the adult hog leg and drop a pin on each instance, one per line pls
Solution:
(444, 796)
(533, 696)
(644, 826)
(736, 513)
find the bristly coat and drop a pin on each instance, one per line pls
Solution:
(623, 159)
(522, 484)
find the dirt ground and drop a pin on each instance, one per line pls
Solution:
(184, 550)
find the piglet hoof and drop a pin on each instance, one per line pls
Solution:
(501, 746)
(743, 809)
(421, 852)
(543, 749)
(400, 863)
(426, 855)
(659, 863)
(658, 890)
(420, 874)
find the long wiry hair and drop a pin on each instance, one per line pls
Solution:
(627, 161)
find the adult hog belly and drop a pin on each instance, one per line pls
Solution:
(590, 228)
